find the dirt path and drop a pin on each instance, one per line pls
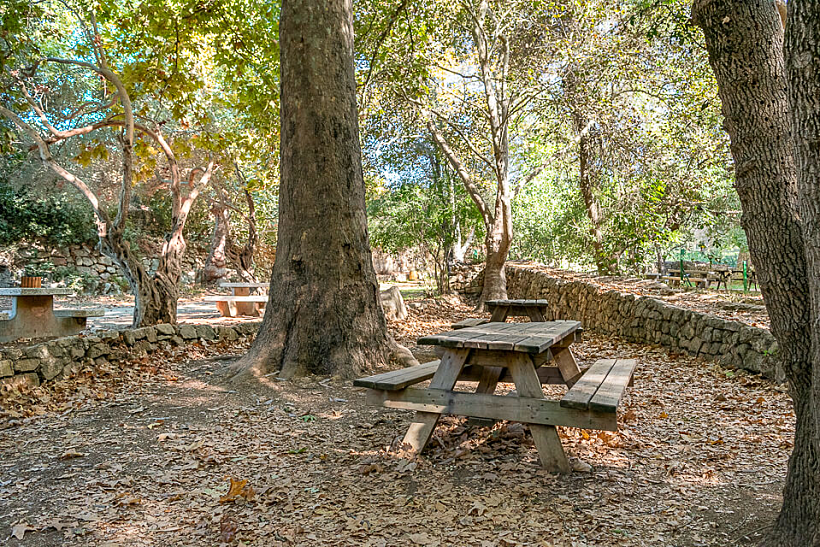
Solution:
(144, 457)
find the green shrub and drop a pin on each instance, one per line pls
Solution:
(59, 218)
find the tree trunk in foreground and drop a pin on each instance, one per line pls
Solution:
(803, 72)
(744, 39)
(324, 314)
(497, 245)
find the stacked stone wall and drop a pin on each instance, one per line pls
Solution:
(641, 319)
(60, 357)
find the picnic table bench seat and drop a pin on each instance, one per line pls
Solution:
(601, 387)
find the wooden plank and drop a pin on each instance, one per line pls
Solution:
(399, 379)
(499, 313)
(581, 393)
(530, 410)
(535, 314)
(471, 322)
(567, 366)
(550, 451)
(420, 430)
(608, 396)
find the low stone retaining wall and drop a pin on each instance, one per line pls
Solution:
(51, 360)
(648, 320)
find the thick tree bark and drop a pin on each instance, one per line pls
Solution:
(324, 314)
(802, 56)
(744, 39)
(214, 268)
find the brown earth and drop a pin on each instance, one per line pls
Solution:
(144, 454)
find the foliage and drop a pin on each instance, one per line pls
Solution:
(59, 217)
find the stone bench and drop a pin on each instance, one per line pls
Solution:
(81, 313)
(231, 306)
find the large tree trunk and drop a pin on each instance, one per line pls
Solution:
(745, 39)
(324, 314)
(803, 73)
(214, 268)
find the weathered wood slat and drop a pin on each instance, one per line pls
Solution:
(581, 393)
(550, 452)
(496, 407)
(608, 396)
(470, 322)
(445, 378)
(399, 379)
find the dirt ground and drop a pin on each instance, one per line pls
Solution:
(145, 455)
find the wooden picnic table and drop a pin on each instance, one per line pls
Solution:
(529, 354)
(32, 315)
(240, 301)
(500, 310)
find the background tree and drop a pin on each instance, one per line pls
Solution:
(324, 314)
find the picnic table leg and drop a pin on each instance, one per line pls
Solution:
(419, 432)
(499, 314)
(527, 384)
(487, 384)
(535, 314)
(567, 365)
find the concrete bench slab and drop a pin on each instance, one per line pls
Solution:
(87, 312)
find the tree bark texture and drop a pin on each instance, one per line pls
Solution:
(215, 265)
(744, 39)
(802, 56)
(242, 259)
(324, 314)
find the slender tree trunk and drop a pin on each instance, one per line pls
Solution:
(214, 268)
(603, 262)
(324, 314)
(802, 49)
(497, 245)
(242, 259)
(745, 41)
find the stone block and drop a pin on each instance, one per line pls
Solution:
(188, 332)
(98, 350)
(39, 351)
(177, 341)
(50, 368)
(165, 329)
(6, 368)
(206, 332)
(26, 365)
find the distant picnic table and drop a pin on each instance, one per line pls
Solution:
(529, 354)
(241, 301)
(32, 315)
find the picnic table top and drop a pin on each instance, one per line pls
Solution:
(521, 303)
(22, 291)
(244, 285)
(534, 337)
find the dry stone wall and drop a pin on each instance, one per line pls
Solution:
(647, 320)
(642, 319)
(56, 358)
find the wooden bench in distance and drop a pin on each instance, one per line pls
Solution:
(471, 322)
(601, 387)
